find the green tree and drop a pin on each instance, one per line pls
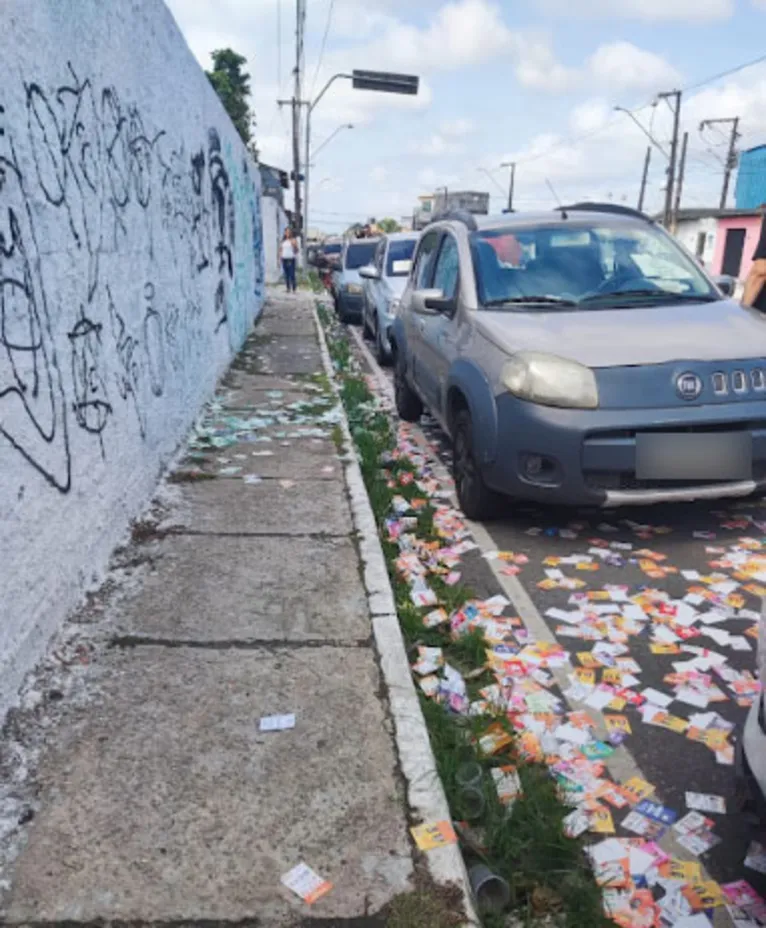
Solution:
(389, 226)
(232, 85)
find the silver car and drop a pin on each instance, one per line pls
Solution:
(751, 747)
(581, 357)
(347, 284)
(383, 283)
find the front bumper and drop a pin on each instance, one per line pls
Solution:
(590, 455)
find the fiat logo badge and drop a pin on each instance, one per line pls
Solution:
(688, 386)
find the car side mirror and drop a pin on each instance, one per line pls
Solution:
(725, 284)
(431, 302)
(369, 272)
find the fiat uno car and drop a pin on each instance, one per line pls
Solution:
(580, 357)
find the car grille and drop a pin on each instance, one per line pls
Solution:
(754, 425)
(611, 480)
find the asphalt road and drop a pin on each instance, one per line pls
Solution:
(671, 762)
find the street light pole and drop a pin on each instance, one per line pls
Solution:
(307, 168)
(330, 137)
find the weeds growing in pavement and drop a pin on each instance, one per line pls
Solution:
(525, 844)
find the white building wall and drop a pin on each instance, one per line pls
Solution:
(688, 232)
(274, 225)
(131, 270)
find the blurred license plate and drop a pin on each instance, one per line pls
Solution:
(694, 456)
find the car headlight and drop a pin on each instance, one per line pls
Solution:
(551, 381)
(353, 288)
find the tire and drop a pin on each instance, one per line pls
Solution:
(366, 330)
(408, 404)
(341, 310)
(476, 499)
(381, 355)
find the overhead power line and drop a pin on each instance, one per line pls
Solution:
(322, 47)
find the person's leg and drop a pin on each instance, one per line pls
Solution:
(292, 274)
(286, 273)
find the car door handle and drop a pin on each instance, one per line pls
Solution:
(422, 325)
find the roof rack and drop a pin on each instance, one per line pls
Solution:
(613, 208)
(457, 215)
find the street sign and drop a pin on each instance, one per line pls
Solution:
(386, 82)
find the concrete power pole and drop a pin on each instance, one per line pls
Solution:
(668, 212)
(512, 166)
(644, 177)
(731, 154)
(680, 181)
(296, 102)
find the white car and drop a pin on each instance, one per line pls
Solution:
(383, 283)
(751, 755)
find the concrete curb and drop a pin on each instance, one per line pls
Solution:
(425, 793)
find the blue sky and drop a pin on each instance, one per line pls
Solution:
(534, 81)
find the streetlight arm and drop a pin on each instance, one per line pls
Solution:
(327, 141)
(652, 139)
(326, 87)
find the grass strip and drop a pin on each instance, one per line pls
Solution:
(547, 872)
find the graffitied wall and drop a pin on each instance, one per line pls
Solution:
(131, 268)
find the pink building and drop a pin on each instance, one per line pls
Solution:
(737, 235)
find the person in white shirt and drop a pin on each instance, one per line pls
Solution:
(288, 253)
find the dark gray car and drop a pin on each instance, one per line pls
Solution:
(581, 357)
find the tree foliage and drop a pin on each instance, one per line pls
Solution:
(232, 85)
(389, 226)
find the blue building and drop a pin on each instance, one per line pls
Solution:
(751, 178)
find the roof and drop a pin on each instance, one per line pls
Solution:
(692, 215)
(401, 236)
(575, 217)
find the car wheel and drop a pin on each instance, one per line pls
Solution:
(342, 314)
(476, 499)
(366, 330)
(381, 355)
(408, 404)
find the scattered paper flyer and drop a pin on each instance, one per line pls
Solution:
(428, 837)
(307, 884)
(705, 802)
(277, 722)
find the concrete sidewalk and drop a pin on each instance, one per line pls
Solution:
(155, 798)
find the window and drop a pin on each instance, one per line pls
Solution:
(400, 257)
(588, 265)
(426, 258)
(447, 268)
(357, 255)
(700, 250)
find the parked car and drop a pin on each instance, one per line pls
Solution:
(383, 283)
(580, 357)
(347, 284)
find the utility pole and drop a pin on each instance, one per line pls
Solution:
(731, 155)
(676, 109)
(512, 166)
(296, 102)
(680, 181)
(644, 178)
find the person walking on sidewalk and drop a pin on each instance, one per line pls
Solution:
(288, 253)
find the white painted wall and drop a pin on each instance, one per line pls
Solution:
(131, 269)
(689, 229)
(274, 225)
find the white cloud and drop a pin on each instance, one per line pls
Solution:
(699, 11)
(379, 174)
(621, 66)
(537, 67)
(434, 146)
(459, 128)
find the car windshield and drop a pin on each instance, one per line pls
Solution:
(399, 260)
(584, 266)
(359, 255)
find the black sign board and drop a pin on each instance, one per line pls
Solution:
(386, 82)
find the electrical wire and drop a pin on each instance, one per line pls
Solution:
(322, 47)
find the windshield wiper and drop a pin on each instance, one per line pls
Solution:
(658, 294)
(540, 300)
